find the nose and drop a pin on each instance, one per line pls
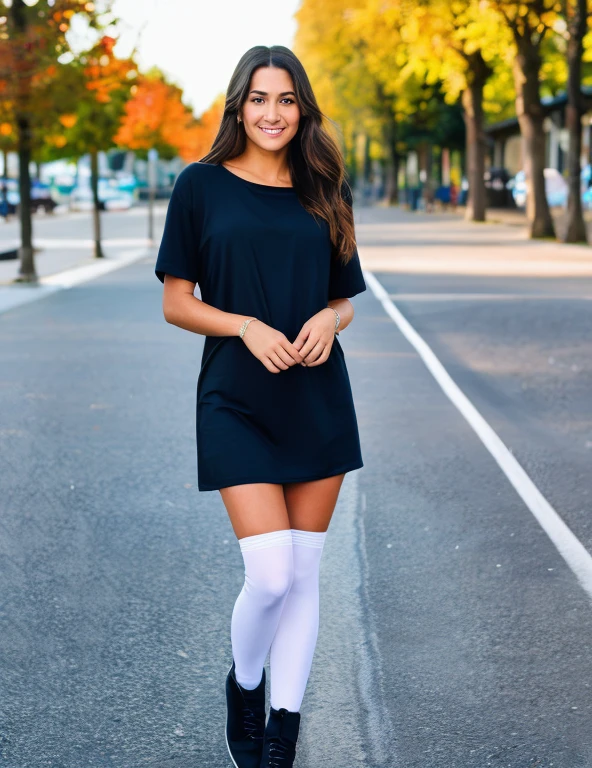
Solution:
(272, 113)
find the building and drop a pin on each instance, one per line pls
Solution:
(506, 143)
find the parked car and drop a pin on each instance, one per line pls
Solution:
(126, 182)
(110, 198)
(498, 195)
(41, 197)
(555, 187)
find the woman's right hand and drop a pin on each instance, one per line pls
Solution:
(271, 347)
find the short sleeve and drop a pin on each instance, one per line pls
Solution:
(346, 280)
(178, 254)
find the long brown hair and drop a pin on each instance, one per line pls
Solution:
(314, 159)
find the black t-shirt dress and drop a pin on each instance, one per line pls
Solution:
(254, 250)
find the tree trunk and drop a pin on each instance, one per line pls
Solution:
(94, 182)
(393, 163)
(576, 226)
(527, 65)
(385, 114)
(351, 159)
(367, 171)
(476, 143)
(27, 273)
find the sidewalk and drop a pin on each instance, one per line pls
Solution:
(516, 217)
(57, 255)
(391, 239)
(63, 264)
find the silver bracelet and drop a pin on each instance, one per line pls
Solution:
(243, 327)
(337, 319)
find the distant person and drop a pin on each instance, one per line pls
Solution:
(264, 224)
(4, 200)
(453, 195)
(429, 195)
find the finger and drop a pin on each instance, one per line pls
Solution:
(288, 355)
(301, 338)
(270, 366)
(275, 358)
(290, 350)
(323, 358)
(308, 347)
(315, 352)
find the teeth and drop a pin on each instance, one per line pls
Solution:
(272, 130)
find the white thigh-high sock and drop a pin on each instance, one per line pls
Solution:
(292, 649)
(269, 570)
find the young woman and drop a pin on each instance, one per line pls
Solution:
(264, 225)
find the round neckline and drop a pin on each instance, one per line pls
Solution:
(255, 184)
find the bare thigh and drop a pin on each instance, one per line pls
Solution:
(255, 508)
(311, 504)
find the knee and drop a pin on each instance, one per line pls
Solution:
(272, 585)
(305, 581)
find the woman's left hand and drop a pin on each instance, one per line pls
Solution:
(315, 340)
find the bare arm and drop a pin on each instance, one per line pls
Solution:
(181, 308)
(267, 344)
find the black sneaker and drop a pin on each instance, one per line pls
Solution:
(281, 734)
(245, 721)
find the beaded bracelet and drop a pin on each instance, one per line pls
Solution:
(337, 319)
(243, 327)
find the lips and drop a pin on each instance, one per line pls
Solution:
(271, 131)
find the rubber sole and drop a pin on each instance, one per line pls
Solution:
(228, 748)
(226, 735)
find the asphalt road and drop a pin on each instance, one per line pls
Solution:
(453, 634)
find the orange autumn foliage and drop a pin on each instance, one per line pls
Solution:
(105, 73)
(156, 117)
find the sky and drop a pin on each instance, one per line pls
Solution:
(199, 45)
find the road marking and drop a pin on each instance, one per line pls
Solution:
(435, 297)
(17, 294)
(568, 545)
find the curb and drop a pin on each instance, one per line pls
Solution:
(18, 294)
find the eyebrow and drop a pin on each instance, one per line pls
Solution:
(285, 93)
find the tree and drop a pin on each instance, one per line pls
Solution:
(461, 43)
(156, 118)
(32, 39)
(436, 48)
(334, 54)
(530, 22)
(102, 87)
(575, 14)
(201, 137)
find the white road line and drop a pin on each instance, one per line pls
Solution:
(435, 297)
(569, 546)
(16, 295)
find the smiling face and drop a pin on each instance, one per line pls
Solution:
(270, 114)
